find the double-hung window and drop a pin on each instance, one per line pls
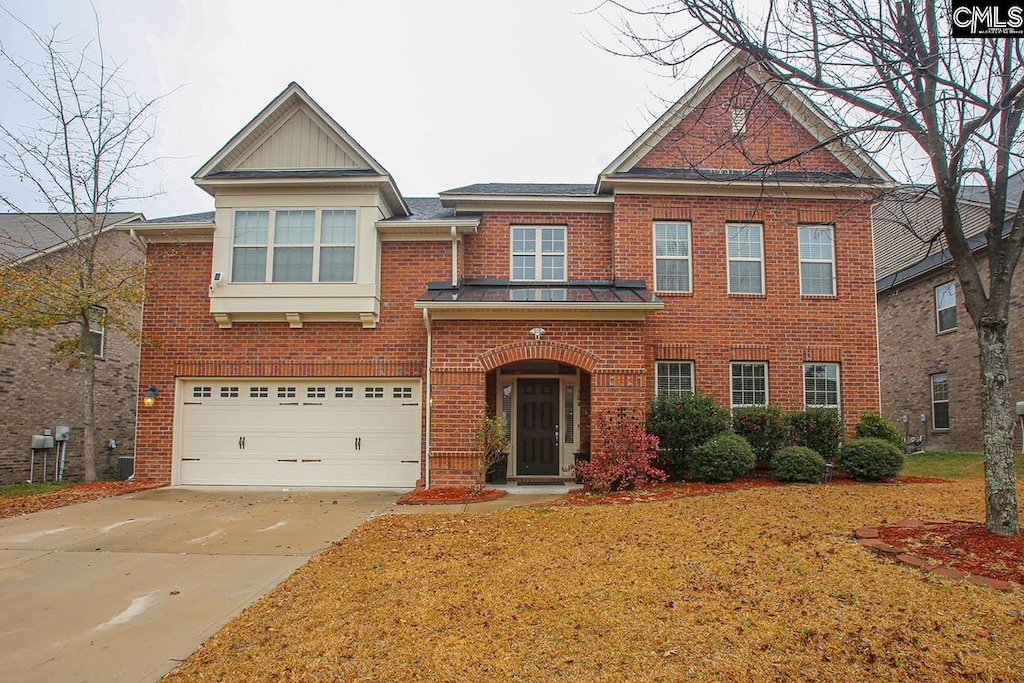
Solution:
(746, 258)
(821, 385)
(294, 245)
(749, 384)
(940, 401)
(672, 257)
(817, 261)
(673, 377)
(538, 253)
(945, 306)
(97, 330)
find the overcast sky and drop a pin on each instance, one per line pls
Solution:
(442, 93)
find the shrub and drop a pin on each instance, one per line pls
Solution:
(682, 423)
(798, 463)
(766, 428)
(873, 425)
(723, 458)
(870, 459)
(820, 429)
(623, 454)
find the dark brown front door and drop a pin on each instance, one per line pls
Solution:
(537, 427)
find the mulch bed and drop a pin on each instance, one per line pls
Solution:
(962, 545)
(79, 493)
(449, 496)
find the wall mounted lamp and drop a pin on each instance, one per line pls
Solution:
(537, 332)
(149, 398)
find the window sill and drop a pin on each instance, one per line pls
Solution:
(673, 294)
(745, 295)
(819, 296)
(939, 333)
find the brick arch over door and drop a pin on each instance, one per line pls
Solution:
(538, 350)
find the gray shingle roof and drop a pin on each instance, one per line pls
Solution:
(530, 189)
(295, 173)
(728, 174)
(202, 217)
(574, 292)
(24, 234)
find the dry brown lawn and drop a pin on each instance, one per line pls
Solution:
(756, 585)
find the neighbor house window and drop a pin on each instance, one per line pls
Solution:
(673, 377)
(945, 306)
(749, 383)
(294, 245)
(940, 401)
(821, 385)
(746, 262)
(97, 331)
(817, 261)
(538, 253)
(672, 257)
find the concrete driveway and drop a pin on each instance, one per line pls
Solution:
(122, 589)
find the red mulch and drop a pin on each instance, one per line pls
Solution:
(449, 495)
(79, 493)
(964, 546)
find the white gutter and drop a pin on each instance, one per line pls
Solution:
(426, 398)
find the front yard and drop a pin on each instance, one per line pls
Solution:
(761, 584)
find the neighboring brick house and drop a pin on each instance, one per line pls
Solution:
(319, 328)
(928, 345)
(35, 393)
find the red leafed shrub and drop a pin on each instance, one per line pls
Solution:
(623, 454)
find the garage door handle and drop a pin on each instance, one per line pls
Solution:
(359, 443)
(410, 404)
(190, 459)
(287, 460)
(312, 460)
(241, 443)
(410, 461)
(311, 404)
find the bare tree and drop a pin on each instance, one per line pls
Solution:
(81, 143)
(948, 109)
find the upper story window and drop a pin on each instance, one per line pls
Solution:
(749, 384)
(673, 378)
(945, 306)
(672, 257)
(817, 261)
(746, 258)
(538, 253)
(97, 330)
(294, 245)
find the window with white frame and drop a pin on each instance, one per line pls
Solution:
(672, 257)
(538, 253)
(945, 306)
(940, 401)
(821, 385)
(746, 258)
(817, 261)
(673, 377)
(97, 330)
(749, 382)
(294, 245)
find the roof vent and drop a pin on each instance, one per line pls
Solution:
(738, 121)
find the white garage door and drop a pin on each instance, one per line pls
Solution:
(326, 432)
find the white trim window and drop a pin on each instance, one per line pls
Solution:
(821, 385)
(940, 401)
(945, 307)
(538, 253)
(817, 261)
(746, 258)
(749, 383)
(673, 377)
(293, 245)
(97, 330)
(671, 257)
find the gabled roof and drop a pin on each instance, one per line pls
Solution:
(803, 110)
(24, 236)
(525, 189)
(357, 164)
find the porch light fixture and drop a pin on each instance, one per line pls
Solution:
(537, 332)
(149, 398)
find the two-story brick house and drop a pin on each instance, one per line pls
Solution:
(318, 328)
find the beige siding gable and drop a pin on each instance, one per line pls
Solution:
(299, 142)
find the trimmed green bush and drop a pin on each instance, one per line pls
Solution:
(723, 458)
(874, 426)
(820, 429)
(682, 423)
(870, 459)
(798, 463)
(766, 428)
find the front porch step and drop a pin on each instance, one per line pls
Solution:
(542, 480)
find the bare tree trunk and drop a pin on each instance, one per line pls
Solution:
(89, 436)
(1001, 515)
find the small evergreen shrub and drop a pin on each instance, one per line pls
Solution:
(723, 458)
(682, 423)
(623, 455)
(873, 425)
(870, 459)
(820, 429)
(766, 428)
(797, 463)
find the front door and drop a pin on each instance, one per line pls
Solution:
(537, 427)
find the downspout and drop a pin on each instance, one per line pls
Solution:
(455, 257)
(430, 340)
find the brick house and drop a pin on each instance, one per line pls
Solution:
(320, 328)
(35, 394)
(928, 345)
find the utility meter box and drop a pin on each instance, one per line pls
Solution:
(62, 433)
(1020, 407)
(41, 442)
